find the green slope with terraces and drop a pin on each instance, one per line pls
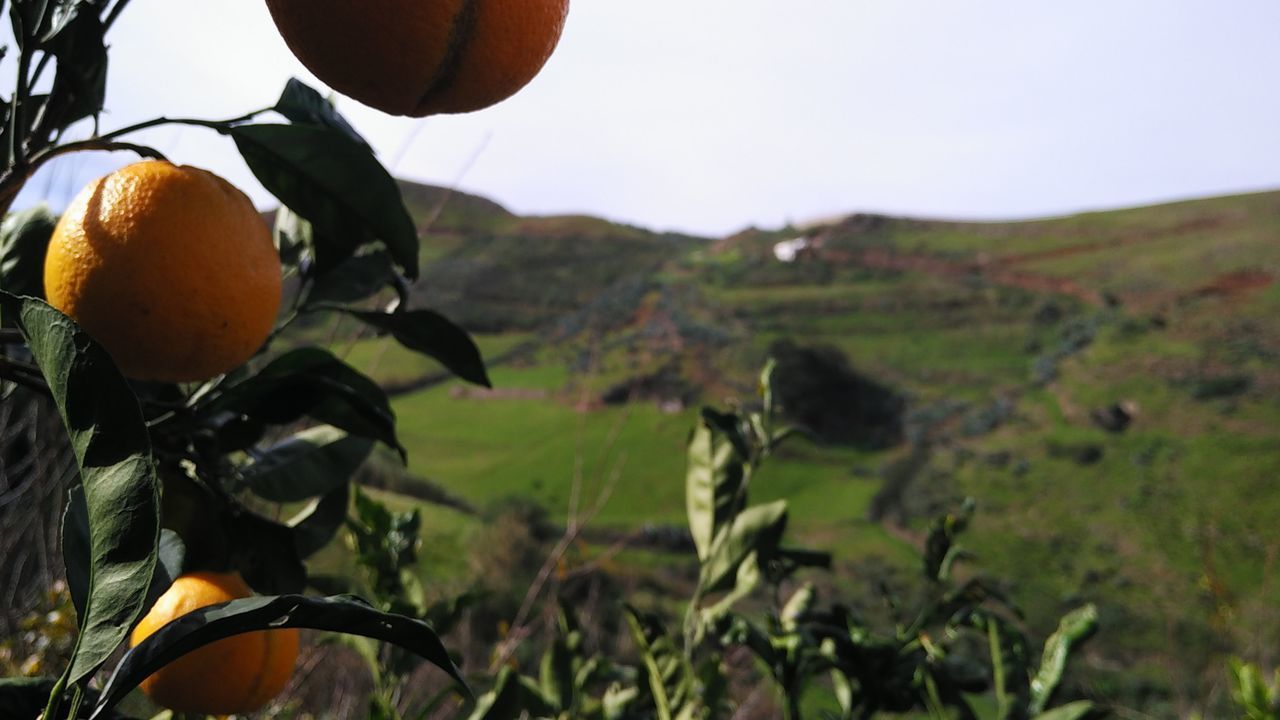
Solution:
(1107, 385)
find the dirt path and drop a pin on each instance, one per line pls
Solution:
(1133, 238)
(995, 272)
(1005, 270)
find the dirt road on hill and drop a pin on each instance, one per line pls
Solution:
(1004, 270)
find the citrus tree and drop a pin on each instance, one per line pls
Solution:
(153, 315)
(150, 314)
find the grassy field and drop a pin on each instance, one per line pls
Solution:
(1173, 314)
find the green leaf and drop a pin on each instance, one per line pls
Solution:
(312, 382)
(305, 106)
(556, 676)
(317, 523)
(292, 235)
(1007, 649)
(714, 480)
(1077, 710)
(80, 82)
(354, 279)
(334, 182)
(617, 701)
(208, 624)
(940, 548)
(797, 607)
(24, 238)
(747, 579)
(170, 562)
(511, 698)
(651, 649)
(266, 554)
(77, 548)
(118, 474)
(432, 334)
(309, 464)
(1074, 628)
(24, 698)
(1250, 692)
(31, 20)
(843, 690)
(756, 529)
(445, 614)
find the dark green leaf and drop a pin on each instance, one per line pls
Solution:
(1007, 649)
(235, 432)
(1074, 628)
(31, 20)
(510, 699)
(24, 238)
(304, 106)
(801, 557)
(80, 83)
(76, 548)
(292, 235)
(113, 452)
(170, 561)
(208, 624)
(356, 278)
(24, 698)
(312, 382)
(311, 463)
(669, 675)
(432, 334)
(444, 614)
(556, 676)
(940, 547)
(332, 181)
(316, 525)
(266, 554)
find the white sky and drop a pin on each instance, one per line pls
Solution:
(710, 115)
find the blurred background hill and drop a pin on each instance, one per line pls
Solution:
(1106, 385)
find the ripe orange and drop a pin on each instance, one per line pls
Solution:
(422, 57)
(169, 267)
(238, 674)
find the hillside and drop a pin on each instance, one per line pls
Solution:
(1107, 385)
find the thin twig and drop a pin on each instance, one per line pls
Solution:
(91, 144)
(113, 15)
(26, 375)
(519, 629)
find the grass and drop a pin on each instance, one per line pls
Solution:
(1172, 524)
(490, 450)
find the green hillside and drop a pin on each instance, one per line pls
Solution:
(1107, 386)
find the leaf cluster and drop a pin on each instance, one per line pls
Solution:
(954, 639)
(174, 478)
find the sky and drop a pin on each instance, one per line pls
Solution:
(707, 116)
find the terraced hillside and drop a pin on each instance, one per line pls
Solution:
(1106, 385)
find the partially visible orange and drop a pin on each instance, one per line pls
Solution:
(422, 57)
(238, 674)
(169, 267)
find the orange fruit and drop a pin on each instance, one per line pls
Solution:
(422, 57)
(169, 267)
(238, 674)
